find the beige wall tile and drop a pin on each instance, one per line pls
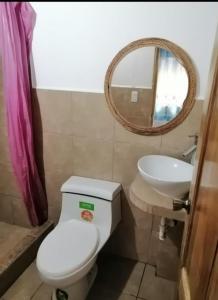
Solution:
(58, 152)
(4, 156)
(6, 208)
(130, 242)
(54, 181)
(25, 286)
(142, 240)
(8, 184)
(20, 216)
(156, 223)
(92, 158)
(132, 216)
(136, 112)
(124, 135)
(165, 254)
(4, 147)
(56, 111)
(2, 104)
(91, 116)
(1, 74)
(177, 141)
(154, 245)
(125, 160)
(2, 113)
(194, 118)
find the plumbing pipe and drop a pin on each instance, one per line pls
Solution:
(162, 229)
(190, 150)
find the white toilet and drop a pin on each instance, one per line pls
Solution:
(89, 214)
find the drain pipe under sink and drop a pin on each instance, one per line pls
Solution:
(164, 224)
(162, 229)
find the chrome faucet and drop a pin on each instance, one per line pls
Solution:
(192, 150)
(189, 151)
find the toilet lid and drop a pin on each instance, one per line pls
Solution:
(68, 247)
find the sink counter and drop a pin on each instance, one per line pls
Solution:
(146, 199)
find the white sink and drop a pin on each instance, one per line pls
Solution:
(166, 175)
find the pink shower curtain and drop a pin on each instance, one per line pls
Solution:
(17, 21)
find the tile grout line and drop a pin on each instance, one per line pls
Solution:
(36, 291)
(141, 280)
(161, 142)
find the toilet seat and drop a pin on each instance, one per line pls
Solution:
(67, 248)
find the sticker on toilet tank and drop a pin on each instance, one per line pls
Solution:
(87, 215)
(86, 205)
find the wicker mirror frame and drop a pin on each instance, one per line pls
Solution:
(188, 103)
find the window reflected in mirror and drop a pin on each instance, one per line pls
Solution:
(171, 87)
(149, 86)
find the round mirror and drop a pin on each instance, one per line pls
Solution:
(150, 86)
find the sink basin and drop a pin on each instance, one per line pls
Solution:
(167, 175)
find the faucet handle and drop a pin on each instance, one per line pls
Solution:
(195, 136)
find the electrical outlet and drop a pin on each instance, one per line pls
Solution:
(134, 96)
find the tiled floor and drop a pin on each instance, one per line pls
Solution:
(117, 279)
(11, 236)
(18, 247)
(16, 239)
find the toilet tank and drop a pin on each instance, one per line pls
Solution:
(91, 200)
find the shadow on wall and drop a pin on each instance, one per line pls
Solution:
(136, 237)
(37, 126)
(116, 276)
(123, 240)
(38, 137)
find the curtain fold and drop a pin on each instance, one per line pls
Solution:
(17, 21)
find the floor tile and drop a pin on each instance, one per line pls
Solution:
(118, 279)
(25, 286)
(120, 275)
(156, 288)
(103, 294)
(11, 236)
(126, 297)
(43, 293)
(167, 263)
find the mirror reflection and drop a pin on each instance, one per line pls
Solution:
(149, 86)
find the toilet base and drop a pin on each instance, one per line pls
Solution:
(79, 290)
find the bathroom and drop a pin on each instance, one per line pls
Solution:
(78, 129)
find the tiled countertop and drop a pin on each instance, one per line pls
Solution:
(146, 199)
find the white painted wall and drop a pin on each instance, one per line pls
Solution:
(135, 69)
(75, 42)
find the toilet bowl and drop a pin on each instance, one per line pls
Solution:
(89, 214)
